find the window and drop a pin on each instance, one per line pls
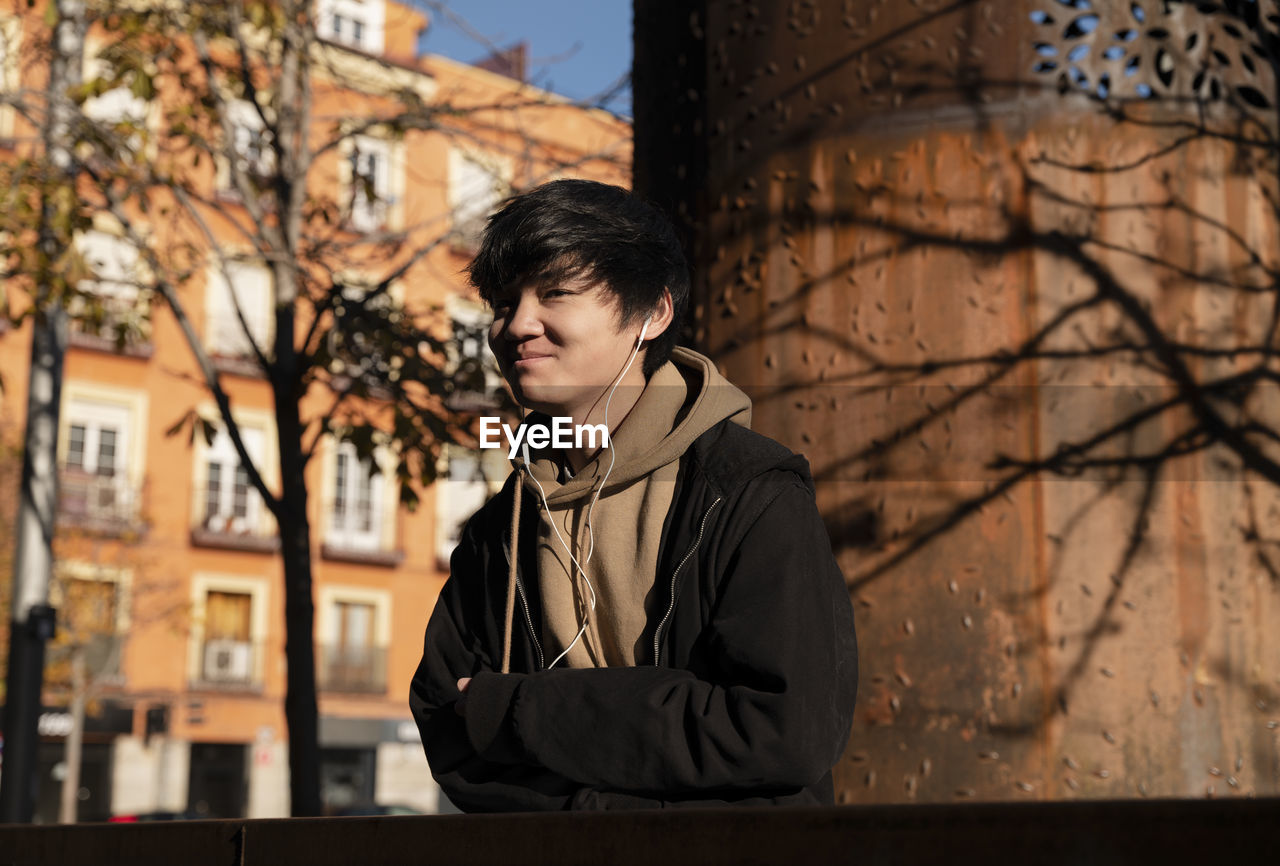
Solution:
(354, 630)
(230, 504)
(83, 457)
(356, 518)
(95, 487)
(470, 477)
(347, 777)
(88, 606)
(353, 657)
(358, 23)
(475, 381)
(227, 616)
(91, 620)
(250, 144)
(228, 651)
(361, 341)
(10, 43)
(370, 171)
(109, 307)
(117, 105)
(113, 107)
(229, 626)
(477, 185)
(355, 626)
(245, 285)
(113, 261)
(226, 510)
(218, 780)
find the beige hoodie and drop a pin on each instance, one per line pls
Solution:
(682, 400)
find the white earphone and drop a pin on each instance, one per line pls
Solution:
(591, 537)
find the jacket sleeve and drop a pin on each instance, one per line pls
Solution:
(775, 708)
(456, 646)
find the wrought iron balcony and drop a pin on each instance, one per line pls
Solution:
(98, 503)
(352, 669)
(223, 521)
(102, 653)
(111, 324)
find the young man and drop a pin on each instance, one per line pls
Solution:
(653, 623)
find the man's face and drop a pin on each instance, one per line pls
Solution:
(559, 345)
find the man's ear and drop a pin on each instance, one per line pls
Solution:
(662, 316)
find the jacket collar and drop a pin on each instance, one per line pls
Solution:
(730, 456)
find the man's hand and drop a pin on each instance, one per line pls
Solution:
(461, 706)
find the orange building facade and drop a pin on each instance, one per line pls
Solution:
(167, 564)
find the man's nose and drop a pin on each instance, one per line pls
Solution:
(523, 321)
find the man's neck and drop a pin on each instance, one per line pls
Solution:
(624, 400)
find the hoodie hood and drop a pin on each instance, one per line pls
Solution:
(596, 600)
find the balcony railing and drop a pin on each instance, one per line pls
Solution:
(222, 523)
(102, 654)
(353, 669)
(349, 544)
(116, 326)
(107, 504)
(228, 663)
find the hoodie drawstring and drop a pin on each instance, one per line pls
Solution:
(511, 577)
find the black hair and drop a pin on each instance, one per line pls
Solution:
(569, 228)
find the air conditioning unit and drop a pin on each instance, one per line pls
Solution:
(228, 661)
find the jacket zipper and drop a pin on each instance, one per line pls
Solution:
(657, 633)
(524, 603)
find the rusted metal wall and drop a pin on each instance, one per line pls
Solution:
(1020, 320)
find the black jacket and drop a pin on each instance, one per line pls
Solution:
(748, 699)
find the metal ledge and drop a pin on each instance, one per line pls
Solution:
(253, 543)
(1172, 831)
(385, 558)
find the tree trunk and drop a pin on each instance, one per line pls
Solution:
(299, 620)
(70, 801)
(32, 618)
(295, 533)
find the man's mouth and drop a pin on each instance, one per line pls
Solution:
(527, 359)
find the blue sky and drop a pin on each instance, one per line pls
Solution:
(577, 48)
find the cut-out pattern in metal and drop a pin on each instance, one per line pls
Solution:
(1204, 52)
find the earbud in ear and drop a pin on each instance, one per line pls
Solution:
(643, 329)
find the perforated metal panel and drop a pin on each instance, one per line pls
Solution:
(1019, 319)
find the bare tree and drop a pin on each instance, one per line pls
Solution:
(230, 139)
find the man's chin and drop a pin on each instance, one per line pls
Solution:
(536, 399)
(548, 399)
